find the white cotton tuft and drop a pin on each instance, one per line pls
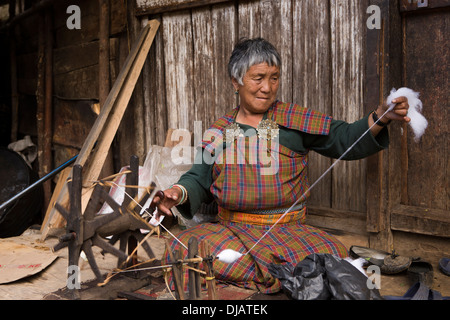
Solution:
(358, 264)
(229, 256)
(418, 122)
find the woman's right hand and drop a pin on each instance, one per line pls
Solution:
(171, 198)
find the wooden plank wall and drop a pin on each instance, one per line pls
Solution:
(322, 47)
(185, 79)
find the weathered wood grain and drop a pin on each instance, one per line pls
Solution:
(155, 97)
(204, 72)
(347, 25)
(427, 175)
(179, 66)
(160, 6)
(224, 19)
(311, 63)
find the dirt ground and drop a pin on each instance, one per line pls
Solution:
(50, 284)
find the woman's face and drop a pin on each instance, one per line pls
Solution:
(259, 89)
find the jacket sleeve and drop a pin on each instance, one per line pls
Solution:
(197, 182)
(343, 135)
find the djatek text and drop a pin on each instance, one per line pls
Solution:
(235, 310)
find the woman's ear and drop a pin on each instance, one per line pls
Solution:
(235, 84)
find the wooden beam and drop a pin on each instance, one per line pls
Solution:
(414, 219)
(145, 7)
(408, 5)
(95, 149)
(337, 220)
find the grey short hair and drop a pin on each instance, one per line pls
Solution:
(249, 52)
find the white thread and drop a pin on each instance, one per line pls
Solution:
(237, 255)
(151, 215)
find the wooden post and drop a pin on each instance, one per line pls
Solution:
(205, 252)
(195, 292)
(177, 272)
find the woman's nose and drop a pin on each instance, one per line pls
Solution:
(265, 86)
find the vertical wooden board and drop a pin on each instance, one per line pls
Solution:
(347, 55)
(204, 72)
(123, 141)
(249, 15)
(225, 38)
(285, 47)
(427, 69)
(137, 99)
(154, 85)
(311, 79)
(178, 55)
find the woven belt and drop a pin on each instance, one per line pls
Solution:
(277, 211)
(262, 219)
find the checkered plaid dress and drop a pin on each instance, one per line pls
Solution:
(244, 195)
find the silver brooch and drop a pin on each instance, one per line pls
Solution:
(268, 130)
(232, 132)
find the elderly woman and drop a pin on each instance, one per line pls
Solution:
(253, 164)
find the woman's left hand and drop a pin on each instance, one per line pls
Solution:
(399, 113)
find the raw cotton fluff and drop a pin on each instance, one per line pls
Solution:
(418, 122)
(229, 256)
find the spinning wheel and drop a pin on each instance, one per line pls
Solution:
(90, 229)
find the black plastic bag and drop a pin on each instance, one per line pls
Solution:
(324, 277)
